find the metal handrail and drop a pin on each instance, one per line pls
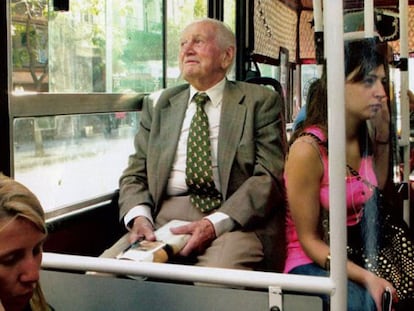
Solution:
(177, 272)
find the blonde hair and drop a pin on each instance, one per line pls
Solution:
(17, 201)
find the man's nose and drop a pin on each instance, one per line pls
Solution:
(187, 47)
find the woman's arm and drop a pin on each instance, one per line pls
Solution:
(304, 171)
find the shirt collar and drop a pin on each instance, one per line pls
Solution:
(215, 93)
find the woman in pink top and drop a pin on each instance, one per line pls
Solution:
(367, 156)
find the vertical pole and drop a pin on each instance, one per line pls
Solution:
(405, 111)
(369, 18)
(6, 123)
(319, 42)
(334, 33)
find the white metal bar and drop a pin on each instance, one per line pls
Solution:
(318, 26)
(231, 277)
(275, 298)
(403, 12)
(369, 18)
(317, 15)
(405, 110)
(333, 9)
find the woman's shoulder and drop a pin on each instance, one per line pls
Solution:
(311, 145)
(315, 130)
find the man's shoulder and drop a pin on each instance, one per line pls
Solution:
(253, 92)
(171, 91)
(243, 85)
(164, 94)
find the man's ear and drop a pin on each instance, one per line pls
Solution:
(227, 57)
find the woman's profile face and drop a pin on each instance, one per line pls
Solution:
(363, 99)
(20, 258)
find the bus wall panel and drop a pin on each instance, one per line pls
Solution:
(87, 234)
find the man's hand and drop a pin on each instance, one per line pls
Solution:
(142, 229)
(202, 234)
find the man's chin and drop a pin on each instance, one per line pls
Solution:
(190, 73)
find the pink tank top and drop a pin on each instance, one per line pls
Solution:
(358, 190)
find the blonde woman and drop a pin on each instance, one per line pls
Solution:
(22, 233)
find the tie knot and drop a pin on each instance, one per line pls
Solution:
(201, 99)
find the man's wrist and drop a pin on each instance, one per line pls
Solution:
(222, 223)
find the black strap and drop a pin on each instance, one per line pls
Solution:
(318, 140)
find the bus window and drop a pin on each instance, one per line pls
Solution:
(87, 49)
(69, 148)
(71, 158)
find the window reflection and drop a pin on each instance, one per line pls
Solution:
(68, 159)
(96, 46)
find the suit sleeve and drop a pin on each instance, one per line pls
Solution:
(133, 185)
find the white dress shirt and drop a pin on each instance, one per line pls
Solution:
(176, 182)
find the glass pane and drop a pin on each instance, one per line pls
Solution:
(96, 46)
(230, 19)
(309, 74)
(29, 32)
(68, 159)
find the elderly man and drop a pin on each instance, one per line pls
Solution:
(235, 213)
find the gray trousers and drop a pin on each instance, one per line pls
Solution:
(232, 250)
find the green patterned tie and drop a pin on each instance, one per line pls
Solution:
(199, 172)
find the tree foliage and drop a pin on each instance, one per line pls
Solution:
(29, 32)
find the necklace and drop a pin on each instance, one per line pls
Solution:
(358, 214)
(360, 178)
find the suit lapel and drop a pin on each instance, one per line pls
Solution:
(231, 128)
(171, 118)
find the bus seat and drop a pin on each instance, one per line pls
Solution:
(267, 81)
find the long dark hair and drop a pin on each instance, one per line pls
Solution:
(361, 57)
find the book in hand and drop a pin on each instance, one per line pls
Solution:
(165, 246)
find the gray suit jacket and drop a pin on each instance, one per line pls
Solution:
(251, 153)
